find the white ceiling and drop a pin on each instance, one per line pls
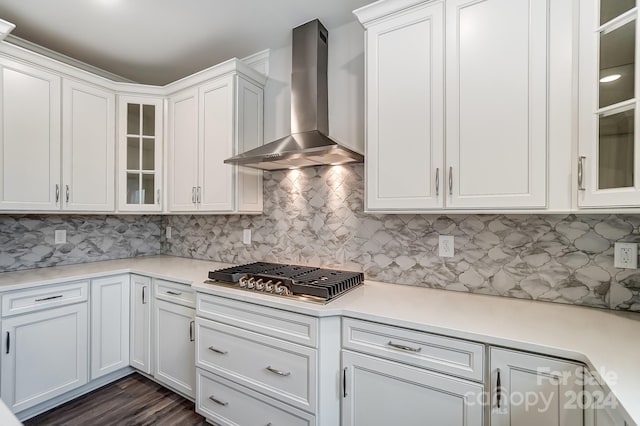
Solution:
(159, 41)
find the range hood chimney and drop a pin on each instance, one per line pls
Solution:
(308, 145)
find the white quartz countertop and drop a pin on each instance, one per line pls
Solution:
(607, 341)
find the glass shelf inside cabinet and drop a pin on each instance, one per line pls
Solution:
(141, 155)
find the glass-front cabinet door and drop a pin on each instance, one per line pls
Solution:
(140, 154)
(608, 172)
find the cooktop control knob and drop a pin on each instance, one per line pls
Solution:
(259, 285)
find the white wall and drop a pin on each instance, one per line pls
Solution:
(346, 89)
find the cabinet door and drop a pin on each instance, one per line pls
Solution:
(140, 338)
(175, 347)
(534, 390)
(44, 355)
(88, 146)
(601, 407)
(404, 110)
(496, 95)
(216, 188)
(140, 154)
(29, 138)
(109, 325)
(250, 130)
(378, 393)
(183, 151)
(608, 159)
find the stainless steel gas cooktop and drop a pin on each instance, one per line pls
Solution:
(305, 283)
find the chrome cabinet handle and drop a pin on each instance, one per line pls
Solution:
(193, 195)
(174, 293)
(67, 193)
(191, 334)
(403, 347)
(498, 389)
(438, 182)
(49, 298)
(217, 401)
(198, 195)
(344, 382)
(278, 372)
(158, 196)
(581, 173)
(450, 180)
(218, 351)
(57, 193)
(144, 299)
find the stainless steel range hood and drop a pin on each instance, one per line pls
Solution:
(308, 145)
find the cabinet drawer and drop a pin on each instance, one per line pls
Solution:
(229, 404)
(296, 328)
(47, 297)
(283, 370)
(181, 294)
(451, 356)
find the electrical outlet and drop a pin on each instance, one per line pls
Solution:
(445, 246)
(625, 255)
(168, 232)
(246, 236)
(60, 236)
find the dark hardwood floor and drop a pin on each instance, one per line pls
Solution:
(131, 401)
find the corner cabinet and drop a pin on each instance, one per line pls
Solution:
(531, 390)
(608, 165)
(208, 124)
(140, 145)
(486, 92)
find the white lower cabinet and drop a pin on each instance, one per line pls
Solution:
(258, 365)
(229, 404)
(601, 407)
(382, 392)
(175, 347)
(109, 325)
(44, 354)
(140, 331)
(533, 390)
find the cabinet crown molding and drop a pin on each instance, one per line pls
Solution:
(382, 8)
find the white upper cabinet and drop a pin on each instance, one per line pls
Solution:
(88, 147)
(487, 149)
(29, 138)
(183, 151)
(207, 125)
(496, 96)
(405, 111)
(609, 157)
(140, 154)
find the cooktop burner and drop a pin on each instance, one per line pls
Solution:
(301, 282)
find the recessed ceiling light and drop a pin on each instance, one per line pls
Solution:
(610, 78)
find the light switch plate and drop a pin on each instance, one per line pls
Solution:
(625, 255)
(246, 236)
(168, 232)
(60, 236)
(445, 246)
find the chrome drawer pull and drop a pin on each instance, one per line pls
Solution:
(403, 347)
(218, 351)
(217, 401)
(174, 293)
(49, 298)
(278, 372)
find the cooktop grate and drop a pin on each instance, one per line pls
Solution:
(289, 280)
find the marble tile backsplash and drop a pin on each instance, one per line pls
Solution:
(315, 216)
(28, 241)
